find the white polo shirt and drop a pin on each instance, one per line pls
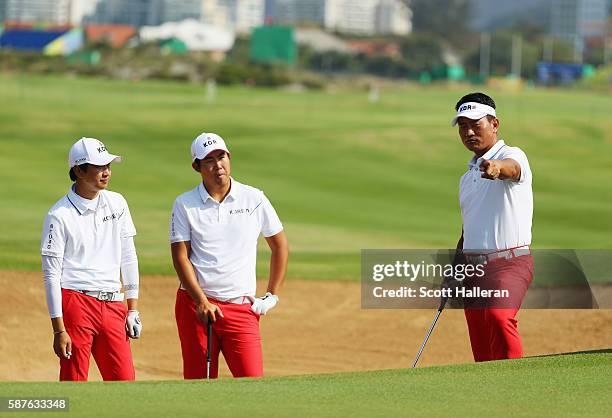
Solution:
(87, 234)
(224, 236)
(496, 214)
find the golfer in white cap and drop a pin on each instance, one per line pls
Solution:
(496, 202)
(87, 247)
(213, 234)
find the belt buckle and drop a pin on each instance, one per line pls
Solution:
(105, 296)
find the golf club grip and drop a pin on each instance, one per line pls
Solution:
(208, 339)
(208, 346)
(443, 301)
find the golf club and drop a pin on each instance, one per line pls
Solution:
(208, 347)
(433, 324)
(457, 259)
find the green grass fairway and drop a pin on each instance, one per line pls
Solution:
(576, 385)
(344, 174)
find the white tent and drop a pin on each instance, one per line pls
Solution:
(197, 36)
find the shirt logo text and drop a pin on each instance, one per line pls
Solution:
(112, 216)
(239, 211)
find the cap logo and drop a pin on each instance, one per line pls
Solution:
(466, 107)
(208, 142)
(101, 148)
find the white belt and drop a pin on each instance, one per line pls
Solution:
(240, 300)
(507, 254)
(104, 296)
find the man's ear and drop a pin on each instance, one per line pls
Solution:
(78, 173)
(495, 123)
(196, 166)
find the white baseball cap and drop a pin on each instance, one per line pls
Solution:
(474, 111)
(90, 151)
(206, 143)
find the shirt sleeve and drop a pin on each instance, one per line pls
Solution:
(52, 275)
(520, 157)
(179, 224)
(127, 228)
(53, 240)
(129, 268)
(270, 222)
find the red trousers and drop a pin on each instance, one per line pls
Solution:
(236, 335)
(494, 330)
(97, 328)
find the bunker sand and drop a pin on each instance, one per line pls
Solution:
(317, 327)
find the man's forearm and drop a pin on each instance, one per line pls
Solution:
(278, 261)
(278, 269)
(132, 304)
(186, 274)
(189, 281)
(58, 324)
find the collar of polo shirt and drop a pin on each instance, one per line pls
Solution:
(82, 205)
(487, 155)
(205, 196)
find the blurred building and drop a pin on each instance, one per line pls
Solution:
(362, 17)
(2, 10)
(79, 9)
(177, 10)
(269, 10)
(577, 20)
(44, 11)
(561, 18)
(487, 15)
(147, 12)
(213, 14)
(239, 15)
(243, 15)
(56, 12)
(393, 18)
(298, 11)
(352, 16)
(132, 12)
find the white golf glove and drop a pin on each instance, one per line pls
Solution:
(263, 304)
(133, 325)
